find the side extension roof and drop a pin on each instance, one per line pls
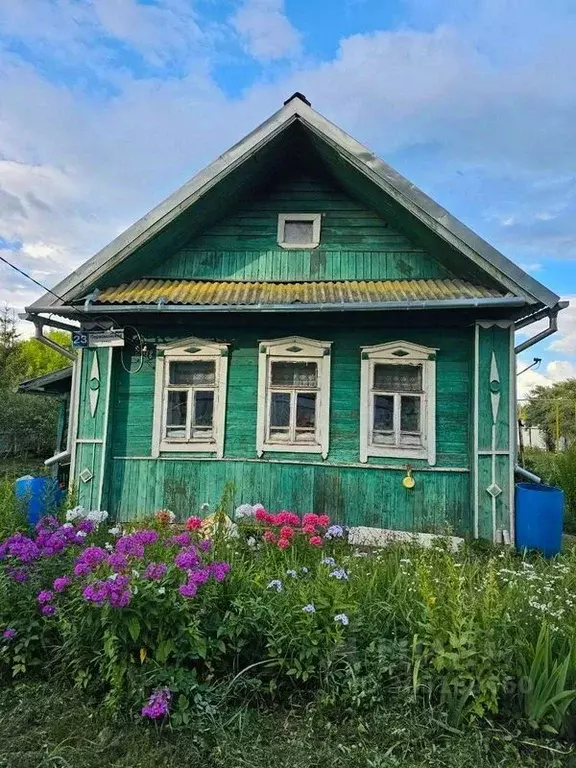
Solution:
(343, 151)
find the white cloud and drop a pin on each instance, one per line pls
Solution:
(265, 31)
(552, 372)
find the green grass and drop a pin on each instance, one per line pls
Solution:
(41, 727)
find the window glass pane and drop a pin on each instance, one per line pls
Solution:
(306, 410)
(176, 414)
(398, 378)
(298, 232)
(203, 409)
(294, 374)
(383, 413)
(280, 409)
(193, 374)
(410, 414)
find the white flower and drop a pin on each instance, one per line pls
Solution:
(276, 584)
(82, 534)
(244, 510)
(328, 561)
(115, 531)
(258, 507)
(136, 574)
(309, 608)
(113, 576)
(341, 618)
(292, 573)
(251, 541)
(108, 546)
(67, 525)
(205, 507)
(135, 590)
(161, 590)
(97, 516)
(304, 570)
(74, 514)
(340, 574)
(406, 560)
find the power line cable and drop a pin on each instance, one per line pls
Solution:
(60, 298)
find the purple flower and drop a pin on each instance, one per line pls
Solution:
(187, 559)
(9, 634)
(82, 568)
(219, 570)
(188, 590)
(61, 583)
(334, 532)
(21, 548)
(48, 610)
(45, 596)
(181, 539)
(158, 704)
(18, 574)
(96, 592)
(86, 526)
(118, 562)
(155, 571)
(130, 545)
(145, 536)
(46, 523)
(199, 576)
(94, 555)
(205, 545)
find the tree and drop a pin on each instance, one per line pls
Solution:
(27, 423)
(553, 409)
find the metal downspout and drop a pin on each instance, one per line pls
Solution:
(38, 334)
(552, 315)
(552, 328)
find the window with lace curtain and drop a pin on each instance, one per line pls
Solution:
(398, 401)
(189, 407)
(293, 395)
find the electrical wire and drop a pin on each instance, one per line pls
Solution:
(91, 318)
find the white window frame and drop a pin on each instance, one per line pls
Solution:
(399, 353)
(289, 350)
(315, 218)
(188, 350)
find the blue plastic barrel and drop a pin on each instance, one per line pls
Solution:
(39, 496)
(539, 518)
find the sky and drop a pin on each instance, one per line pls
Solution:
(108, 106)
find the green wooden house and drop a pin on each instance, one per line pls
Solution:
(300, 320)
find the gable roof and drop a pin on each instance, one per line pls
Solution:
(358, 168)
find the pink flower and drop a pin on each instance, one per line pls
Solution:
(286, 532)
(284, 543)
(269, 537)
(310, 519)
(263, 516)
(287, 518)
(323, 520)
(309, 529)
(316, 541)
(194, 523)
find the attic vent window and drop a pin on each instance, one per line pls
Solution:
(299, 230)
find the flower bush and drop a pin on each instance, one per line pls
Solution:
(165, 617)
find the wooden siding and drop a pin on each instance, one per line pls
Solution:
(355, 242)
(340, 485)
(350, 495)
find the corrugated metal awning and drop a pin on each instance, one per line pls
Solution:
(339, 292)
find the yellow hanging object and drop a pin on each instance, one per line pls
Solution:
(408, 481)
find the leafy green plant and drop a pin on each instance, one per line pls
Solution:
(547, 696)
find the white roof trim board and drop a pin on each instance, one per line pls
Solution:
(392, 183)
